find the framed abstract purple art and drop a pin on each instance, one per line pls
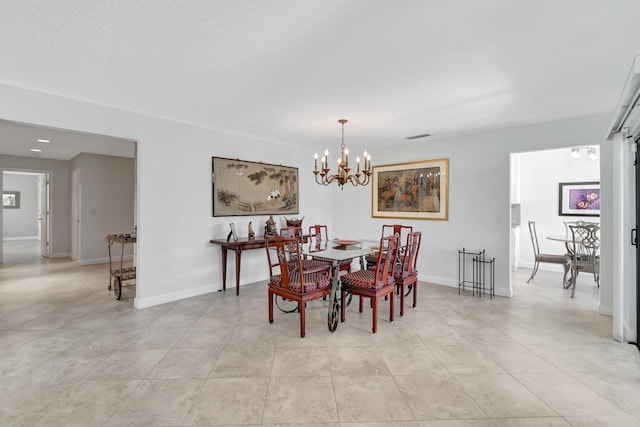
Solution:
(579, 199)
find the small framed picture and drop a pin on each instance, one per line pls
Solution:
(233, 232)
(11, 199)
(579, 199)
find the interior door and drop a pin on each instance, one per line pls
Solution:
(43, 215)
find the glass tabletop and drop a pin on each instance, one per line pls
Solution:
(338, 252)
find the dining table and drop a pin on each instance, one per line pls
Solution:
(567, 240)
(568, 243)
(337, 250)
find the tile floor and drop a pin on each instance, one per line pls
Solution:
(70, 355)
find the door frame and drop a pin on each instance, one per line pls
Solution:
(39, 172)
(44, 214)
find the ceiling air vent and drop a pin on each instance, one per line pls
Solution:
(424, 135)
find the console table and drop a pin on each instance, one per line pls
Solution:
(242, 244)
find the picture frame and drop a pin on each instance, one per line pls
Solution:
(579, 198)
(232, 234)
(241, 187)
(11, 200)
(414, 190)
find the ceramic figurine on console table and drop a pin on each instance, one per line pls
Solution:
(252, 234)
(270, 229)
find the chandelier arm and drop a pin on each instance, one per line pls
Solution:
(355, 180)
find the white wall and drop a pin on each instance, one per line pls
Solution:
(174, 257)
(540, 174)
(479, 193)
(104, 198)
(59, 195)
(21, 223)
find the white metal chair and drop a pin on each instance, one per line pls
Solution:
(585, 246)
(568, 223)
(564, 260)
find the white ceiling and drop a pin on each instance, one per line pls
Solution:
(17, 139)
(287, 70)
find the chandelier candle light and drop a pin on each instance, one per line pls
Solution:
(342, 177)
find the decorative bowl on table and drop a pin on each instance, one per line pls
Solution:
(344, 243)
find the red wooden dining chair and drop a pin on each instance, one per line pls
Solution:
(405, 273)
(389, 230)
(307, 263)
(291, 231)
(319, 233)
(289, 281)
(373, 283)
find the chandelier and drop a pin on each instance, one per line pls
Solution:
(342, 176)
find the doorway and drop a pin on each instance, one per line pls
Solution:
(535, 185)
(26, 223)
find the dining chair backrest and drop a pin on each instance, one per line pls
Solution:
(319, 240)
(585, 245)
(278, 250)
(319, 233)
(291, 231)
(409, 257)
(534, 237)
(389, 230)
(383, 273)
(401, 230)
(569, 223)
(272, 258)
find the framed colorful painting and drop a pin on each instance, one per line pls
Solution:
(240, 187)
(416, 190)
(579, 199)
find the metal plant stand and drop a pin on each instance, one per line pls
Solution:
(465, 256)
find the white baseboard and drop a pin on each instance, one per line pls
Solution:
(442, 281)
(8, 239)
(630, 334)
(545, 266)
(438, 280)
(605, 310)
(174, 296)
(60, 255)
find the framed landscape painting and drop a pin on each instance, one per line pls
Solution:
(241, 187)
(416, 190)
(579, 199)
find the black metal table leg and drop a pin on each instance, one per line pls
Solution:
(334, 307)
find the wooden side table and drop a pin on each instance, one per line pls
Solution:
(242, 244)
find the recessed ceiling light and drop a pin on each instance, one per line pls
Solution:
(36, 150)
(44, 140)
